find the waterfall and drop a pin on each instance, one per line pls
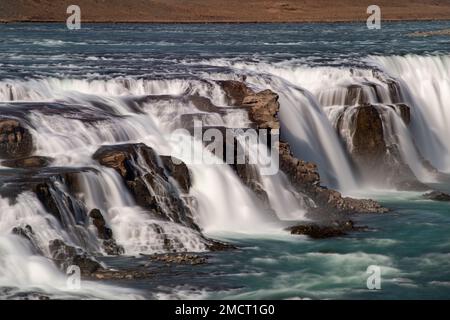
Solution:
(425, 83)
(70, 119)
(314, 98)
(73, 118)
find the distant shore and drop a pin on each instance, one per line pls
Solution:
(215, 11)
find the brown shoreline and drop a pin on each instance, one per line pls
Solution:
(220, 22)
(220, 11)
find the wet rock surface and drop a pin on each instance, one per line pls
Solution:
(375, 153)
(180, 258)
(329, 230)
(15, 139)
(437, 196)
(33, 162)
(64, 256)
(106, 234)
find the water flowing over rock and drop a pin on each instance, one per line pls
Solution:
(32, 162)
(105, 233)
(147, 178)
(263, 108)
(370, 133)
(65, 256)
(15, 139)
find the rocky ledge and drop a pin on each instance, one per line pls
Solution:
(263, 108)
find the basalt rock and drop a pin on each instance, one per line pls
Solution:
(65, 256)
(147, 177)
(15, 139)
(437, 196)
(109, 244)
(368, 143)
(179, 258)
(374, 151)
(178, 171)
(131, 274)
(33, 162)
(318, 231)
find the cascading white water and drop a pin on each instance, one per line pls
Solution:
(22, 271)
(306, 94)
(72, 141)
(425, 84)
(310, 99)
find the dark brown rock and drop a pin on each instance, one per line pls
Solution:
(32, 162)
(235, 91)
(99, 222)
(106, 234)
(317, 231)
(65, 256)
(15, 139)
(179, 171)
(368, 137)
(437, 196)
(179, 258)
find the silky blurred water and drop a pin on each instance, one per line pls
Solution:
(411, 243)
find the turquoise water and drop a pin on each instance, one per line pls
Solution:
(411, 243)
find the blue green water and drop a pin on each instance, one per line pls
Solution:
(411, 243)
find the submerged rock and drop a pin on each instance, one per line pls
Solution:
(437, 196)
(130, 274)
(32, 162)
(15, 139)
(318, 231)
(179, 258)
(65, 256)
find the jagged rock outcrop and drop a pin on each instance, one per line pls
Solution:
(147, 176)
(263, 108)
(15, 139)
